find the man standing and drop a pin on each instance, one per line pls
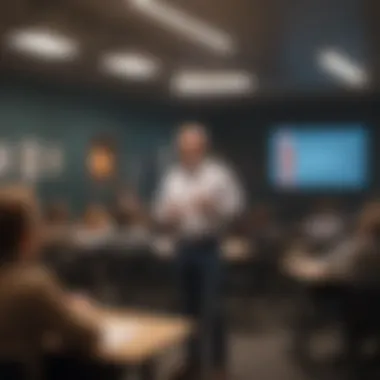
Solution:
(197, 199)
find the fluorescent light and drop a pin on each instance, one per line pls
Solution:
(189, 26)
(342, 68)
(190, 83)
(42, 43)
(129, 65)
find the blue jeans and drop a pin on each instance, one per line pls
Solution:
(200, 277)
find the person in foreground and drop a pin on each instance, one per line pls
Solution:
(34, 310)
(198, 198)
(353, 269)
(355, 259)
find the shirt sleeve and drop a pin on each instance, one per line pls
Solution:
(232, 199)
(341, 261)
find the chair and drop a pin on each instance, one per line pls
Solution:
(76, 367)
(12, 370)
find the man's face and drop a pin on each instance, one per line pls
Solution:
(192, 147)
(33, 237)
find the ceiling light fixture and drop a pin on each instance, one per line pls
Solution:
(42, 43)
(210, 83)
(342, 68)
(189, 26)
(129, 65)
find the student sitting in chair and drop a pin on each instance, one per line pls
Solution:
(34, 309)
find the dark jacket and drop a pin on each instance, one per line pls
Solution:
(33, 307)
(356, 260)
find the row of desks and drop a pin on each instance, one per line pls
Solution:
(136, 338)
(233, 250)
(131, 339)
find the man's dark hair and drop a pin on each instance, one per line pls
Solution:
(57, 212)
(14, 223)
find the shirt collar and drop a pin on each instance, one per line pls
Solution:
(204, 164)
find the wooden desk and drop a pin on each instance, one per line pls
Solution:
(304, 268)
(236, 250)
(233, 250)
(148, 335)
(136, 339)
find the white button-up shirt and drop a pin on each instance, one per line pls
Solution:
(183, 189)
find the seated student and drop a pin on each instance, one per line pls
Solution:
(129, 211)
(56, 222)
(131, 220)
(264, 227)
(96, 228)
(323, 227)
(356, 262)
(125, 205)
(344, 280)
(266, 235)
(97, 218)
(33, 306)
(355, 259)
(58, 213)
(93, 237)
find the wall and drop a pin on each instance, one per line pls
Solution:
(242, 135)
(70, 119)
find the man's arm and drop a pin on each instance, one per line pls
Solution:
(232, 201)
(351, 259)
(55, 314)
(165, 212)
(228, 203)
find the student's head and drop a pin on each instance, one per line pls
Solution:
(57, 212)
(257, 217)
(96, 216)
(369, 220)
(19, 225)
(325, 205)
(192, 143)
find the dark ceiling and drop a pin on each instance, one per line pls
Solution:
(275, 39)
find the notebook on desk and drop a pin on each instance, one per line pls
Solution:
(117, 333)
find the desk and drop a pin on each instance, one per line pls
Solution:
(306, 269)
(237, 250)
(151, 334)
(117, 268)
(146, 337)
(233, 250)
(319, 303)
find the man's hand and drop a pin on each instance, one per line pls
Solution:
(206, 205)
(173, 214)
(84, 310)
(309, 270)
(80, 303)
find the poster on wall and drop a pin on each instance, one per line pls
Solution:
(54, 158)
(39, 160)
(30, 160)
(319, 157)
(101, 159)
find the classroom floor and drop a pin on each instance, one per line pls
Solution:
(259, 340)
(253, 357)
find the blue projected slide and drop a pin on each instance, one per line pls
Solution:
(319, 157)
